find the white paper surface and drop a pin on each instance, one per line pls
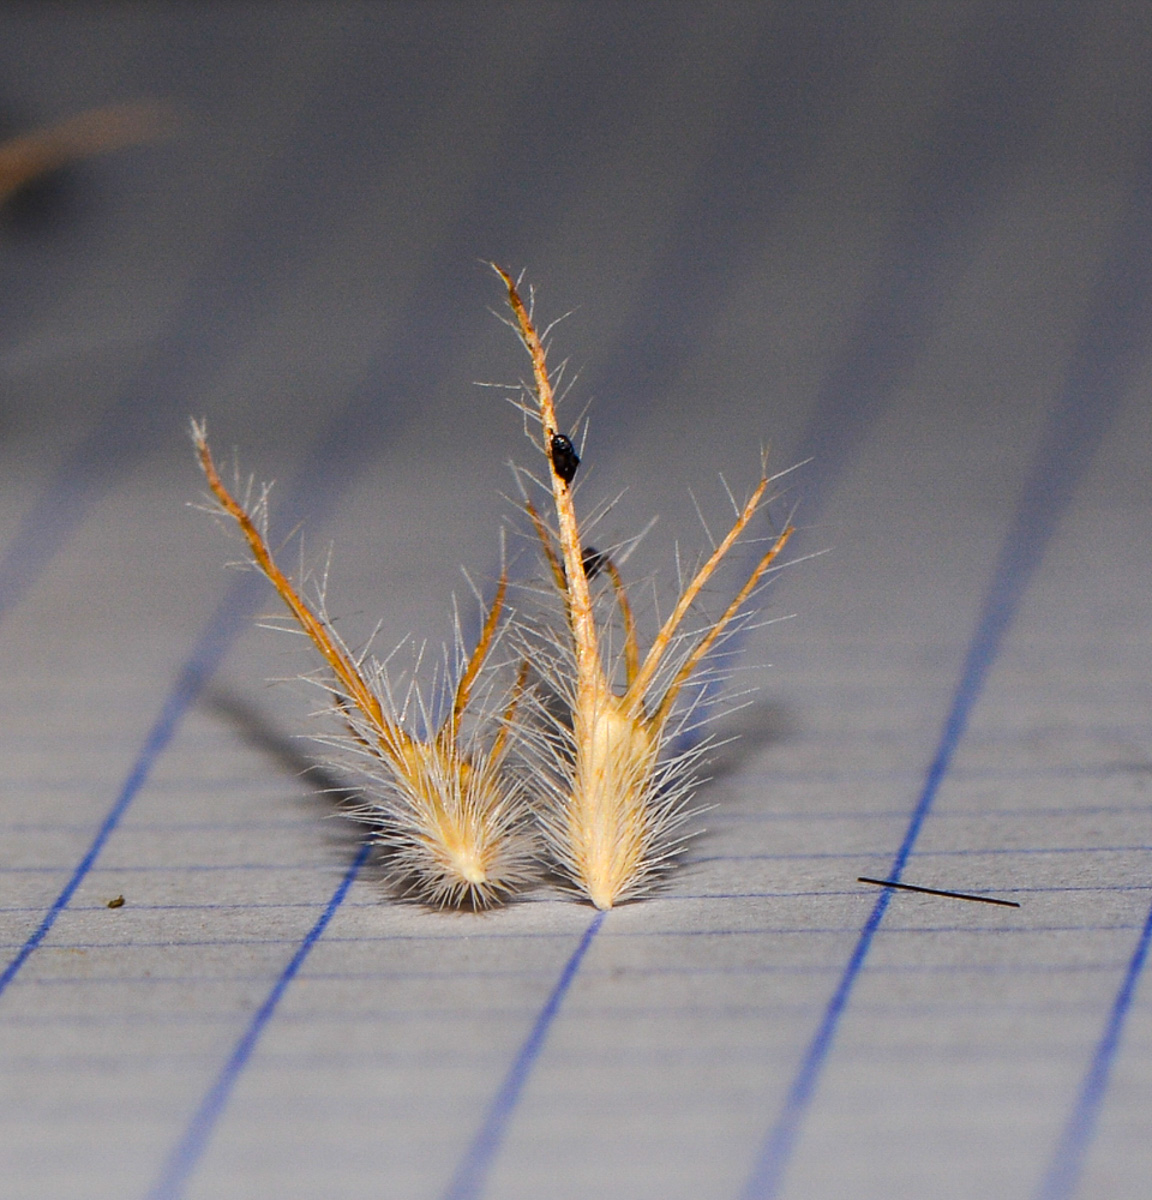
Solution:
(943, 301)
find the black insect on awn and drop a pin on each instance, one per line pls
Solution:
(593, 562)
(565, 460)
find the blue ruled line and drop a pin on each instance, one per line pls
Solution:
(472, 1173)
(1067, 1165)
(238, 602)
(1100, 368)
(183, 1159)
(337, 445)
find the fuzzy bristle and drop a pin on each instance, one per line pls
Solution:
(613, 800)
(455, 831)
(608, 818)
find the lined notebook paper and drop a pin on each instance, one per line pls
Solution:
(912, 250)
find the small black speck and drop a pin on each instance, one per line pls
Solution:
(594, 561)
(117, 903)
(565, 460)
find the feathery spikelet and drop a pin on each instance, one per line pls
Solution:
(616, 789)
(452, 818)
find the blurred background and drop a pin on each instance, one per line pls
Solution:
(760, 216)
(763, 218)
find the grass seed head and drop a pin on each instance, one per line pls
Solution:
(617, 792)
(452, 818)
